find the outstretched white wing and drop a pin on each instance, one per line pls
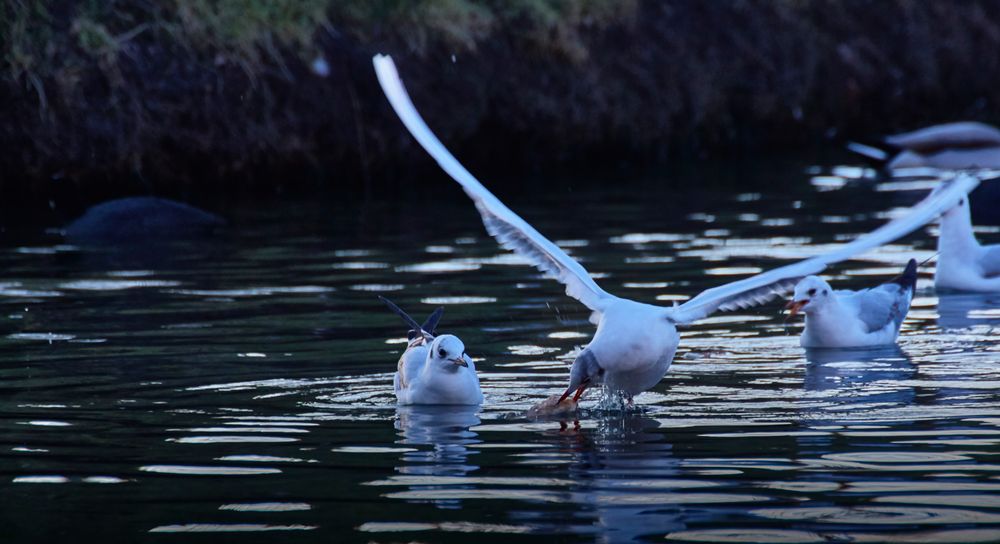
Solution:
(763, 287)
(510, 230)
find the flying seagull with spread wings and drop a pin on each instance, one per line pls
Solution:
(635, 342)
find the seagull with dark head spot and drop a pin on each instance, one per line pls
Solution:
(433, 369)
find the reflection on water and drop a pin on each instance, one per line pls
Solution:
(444, 441)
(624, 479)
(240, 387)
(870, 374)
(969, 311)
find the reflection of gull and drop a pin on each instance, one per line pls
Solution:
(967, 310)
(625, 477)
(861, 384)
(843, 319)
(852, 371)
(434, 464)
(446, 429)
(964, 264)
(434, 370)
(634, 343)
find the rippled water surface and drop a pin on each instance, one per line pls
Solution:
(239, 389)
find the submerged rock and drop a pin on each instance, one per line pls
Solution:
(136, 219)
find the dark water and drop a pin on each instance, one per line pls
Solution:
(239, 389)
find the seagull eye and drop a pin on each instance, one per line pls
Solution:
(442, 352)
(824, 291)
(812, 292)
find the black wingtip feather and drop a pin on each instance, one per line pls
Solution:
(432, 320)
(908, 279)
(414, 326)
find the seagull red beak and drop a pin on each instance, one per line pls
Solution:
(459, 361)
(794, 306)
(576, 397)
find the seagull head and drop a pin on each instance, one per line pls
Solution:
(448, 352)
(810, 293)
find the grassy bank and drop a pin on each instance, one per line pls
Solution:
(118, 96)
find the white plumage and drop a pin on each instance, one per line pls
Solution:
(852, 319)
(437, 372)
(635, 342)
(434, 369)
(964, 264)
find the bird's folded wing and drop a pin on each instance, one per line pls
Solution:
(510, 230)
(881, 306)
(763, 287)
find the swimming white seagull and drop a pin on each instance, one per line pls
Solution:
(963, 263)
(434, 370)
(635, 342)
(853, 319)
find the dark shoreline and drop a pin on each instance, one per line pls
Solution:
(627, 89)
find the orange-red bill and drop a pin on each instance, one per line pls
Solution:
(794, 306)
(576, 397)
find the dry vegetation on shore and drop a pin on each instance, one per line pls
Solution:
(189, 93)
